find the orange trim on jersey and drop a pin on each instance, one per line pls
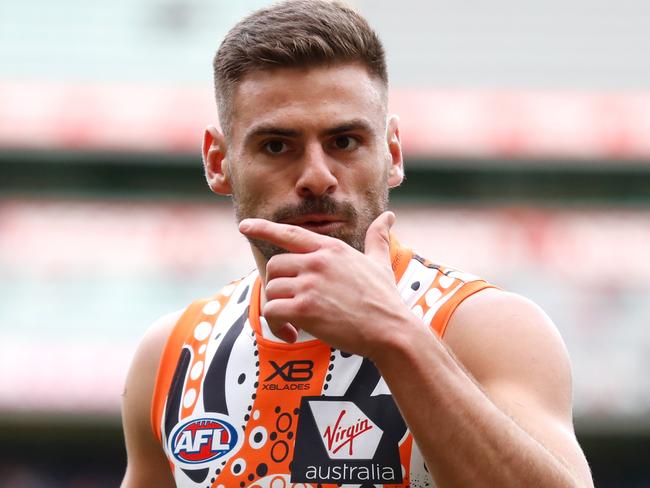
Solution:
(400, 257)
(254, 311)
(441, 318)
(168, 361)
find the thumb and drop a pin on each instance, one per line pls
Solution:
(377, 244)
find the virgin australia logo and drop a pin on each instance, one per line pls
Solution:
(346, 432)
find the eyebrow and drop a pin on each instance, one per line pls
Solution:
(274, 130)
(352, 125)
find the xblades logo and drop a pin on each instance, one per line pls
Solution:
(300, 370)
(295, 375)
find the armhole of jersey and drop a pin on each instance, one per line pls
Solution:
(168, 361)
(441, 319)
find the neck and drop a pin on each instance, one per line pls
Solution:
(260, 262)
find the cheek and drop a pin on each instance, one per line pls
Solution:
(254, 194)
(245, 180)
(371, 180)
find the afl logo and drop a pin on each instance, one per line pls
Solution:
(199, 440)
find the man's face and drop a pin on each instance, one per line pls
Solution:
(310, 147)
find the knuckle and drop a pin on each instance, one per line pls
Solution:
(308, 285)
(318, 262)
(293, 232)
(302, 305)
(338, 244)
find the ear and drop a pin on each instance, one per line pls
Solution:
(214, 161)
(396, 170)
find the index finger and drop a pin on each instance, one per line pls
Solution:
(290, 237)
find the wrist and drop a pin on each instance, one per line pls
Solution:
(399, 340)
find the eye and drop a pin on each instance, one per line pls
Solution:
(275, 147)
(345, 143)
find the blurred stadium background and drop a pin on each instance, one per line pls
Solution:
(526, 128)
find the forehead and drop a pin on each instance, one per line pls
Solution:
(308, 98)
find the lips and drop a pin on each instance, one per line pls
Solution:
(321, 223)
(313, 219)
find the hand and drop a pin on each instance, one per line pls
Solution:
(326, 287)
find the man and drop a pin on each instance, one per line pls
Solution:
(344, 359)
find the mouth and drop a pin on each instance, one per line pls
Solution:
(319, 223)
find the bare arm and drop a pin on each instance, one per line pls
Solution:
(146, 463)
(513, 430)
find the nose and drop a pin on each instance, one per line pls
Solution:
(316, 178)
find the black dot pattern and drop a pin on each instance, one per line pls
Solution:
(241, 379)
(330, 368)
(261, 470)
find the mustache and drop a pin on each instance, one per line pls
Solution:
(320, 205)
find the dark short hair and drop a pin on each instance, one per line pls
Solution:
(294, 34)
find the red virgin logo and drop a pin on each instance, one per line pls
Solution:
(338, 436)
(347, 432)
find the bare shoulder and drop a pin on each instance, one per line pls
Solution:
(146, 464)
(147, 356)
(501, 336)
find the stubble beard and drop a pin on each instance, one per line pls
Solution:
(357, 220)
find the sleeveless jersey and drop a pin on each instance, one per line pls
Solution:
(234, 406)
